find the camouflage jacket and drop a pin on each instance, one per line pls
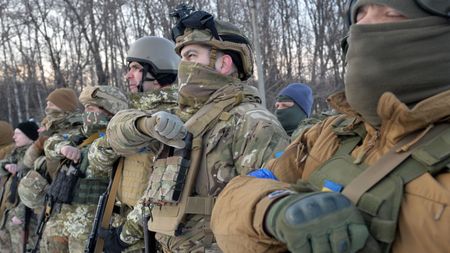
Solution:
(158, 100)
(101, 155)
(242, 140)
(10, 187)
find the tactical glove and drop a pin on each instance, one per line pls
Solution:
(113, 244)
(317, 222)
(165, 127)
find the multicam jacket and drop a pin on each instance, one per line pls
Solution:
(242, 140)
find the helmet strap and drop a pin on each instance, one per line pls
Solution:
(212, 57)
(145, 71)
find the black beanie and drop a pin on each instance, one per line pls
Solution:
(30, 129)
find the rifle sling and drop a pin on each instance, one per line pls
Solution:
(375, 173)
(110, 204)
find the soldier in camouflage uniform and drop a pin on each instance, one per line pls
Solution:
(152, 69)
(70, 222)
(6, 147)
(15, 220)
(232, 130)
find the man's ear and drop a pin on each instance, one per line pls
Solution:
(225, 65)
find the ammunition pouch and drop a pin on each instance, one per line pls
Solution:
(88, 190)
(62, 188)
(167, 180)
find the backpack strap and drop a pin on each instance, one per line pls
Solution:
(348, 133)
(375, 173)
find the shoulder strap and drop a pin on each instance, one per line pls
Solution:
(209, 113)
(110, 204)
(375, 173)
(91, 138)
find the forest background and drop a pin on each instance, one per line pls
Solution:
(48, 44)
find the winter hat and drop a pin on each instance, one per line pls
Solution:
(301, 94)
(30, 129)
(65, 98)
(6, 133)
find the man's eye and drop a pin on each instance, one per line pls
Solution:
(394, 13)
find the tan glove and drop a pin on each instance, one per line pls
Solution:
(165, 127)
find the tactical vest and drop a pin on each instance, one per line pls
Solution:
(380, 205)
(167, 219)
(87, 190)
(136, 171)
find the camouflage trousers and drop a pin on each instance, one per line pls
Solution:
(12, 236)
(68, 230)
(197, 237)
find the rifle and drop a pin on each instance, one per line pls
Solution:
(149, 236)
(104, 210)
(43, 218)
(92, 241)
(26, 227)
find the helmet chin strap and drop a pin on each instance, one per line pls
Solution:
(144, 78)
(213, 57)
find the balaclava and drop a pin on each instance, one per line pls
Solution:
(408, 58)
(290, 117)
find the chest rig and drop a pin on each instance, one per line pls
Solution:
(380, 203)
(169, 215)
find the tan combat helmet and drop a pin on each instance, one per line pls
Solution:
(199, 27)
(108, 98)
(158, 58)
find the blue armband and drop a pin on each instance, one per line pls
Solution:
(262, 173)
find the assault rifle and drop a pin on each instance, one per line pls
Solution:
(92, 240)
(104, 211)
(43, 218)
(26, 227)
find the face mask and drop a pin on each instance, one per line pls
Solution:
(54, 117)
(197, 83)
(94, 122)
(290, 118)
(407, 58)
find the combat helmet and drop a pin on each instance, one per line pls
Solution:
(199, 27)
(157, 57)
(108, 98)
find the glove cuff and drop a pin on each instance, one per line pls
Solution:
(270, 220)
(146, 125)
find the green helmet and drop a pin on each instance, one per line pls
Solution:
(108, 98)
(157, 56)
(200, 28)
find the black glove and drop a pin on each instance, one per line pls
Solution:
(317, 222)
(113, 244)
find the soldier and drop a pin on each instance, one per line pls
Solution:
(386, 154)
(232, 134)
(61, 117)
(75, 189)
(16, 221)
(294, 104)
(6, 139)
(152, 69)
